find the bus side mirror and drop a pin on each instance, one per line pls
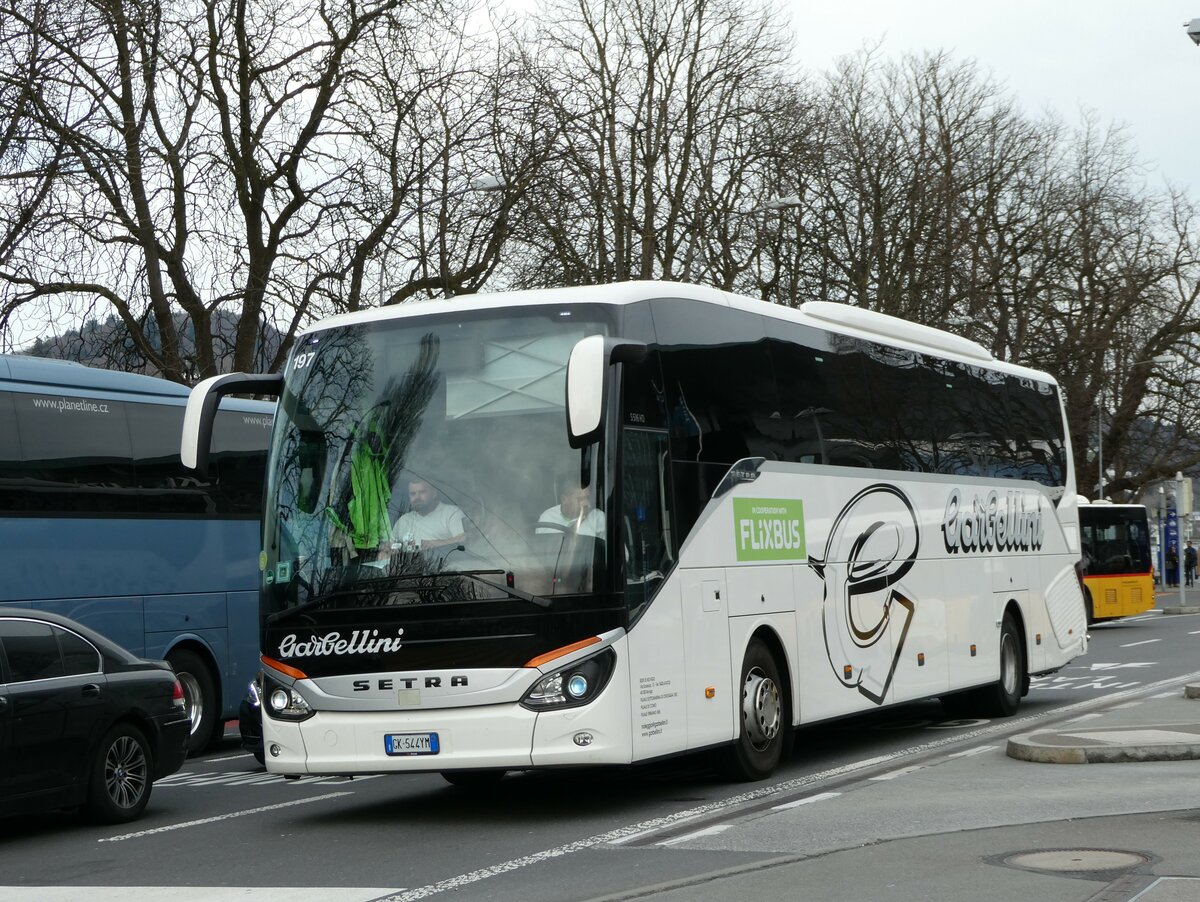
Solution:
(587, 383)
(201, 411)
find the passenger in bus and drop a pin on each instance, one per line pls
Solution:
(431, 523)
(573, 512)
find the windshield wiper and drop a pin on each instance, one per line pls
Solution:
(405, 583)
(478, 576)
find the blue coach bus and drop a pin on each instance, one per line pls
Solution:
(100, 522)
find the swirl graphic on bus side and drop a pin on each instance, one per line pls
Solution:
(872, 545)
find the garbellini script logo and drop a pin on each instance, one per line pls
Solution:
(995, 522)
(361, 642)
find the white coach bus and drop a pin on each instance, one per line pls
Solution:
(611, 524)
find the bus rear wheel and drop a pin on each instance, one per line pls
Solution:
(199, 698)
(1002, 698)
(765, 725)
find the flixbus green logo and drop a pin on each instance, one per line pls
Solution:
(769, 529)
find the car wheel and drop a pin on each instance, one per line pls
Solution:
(765, 726)
(199, 698)
(121, 777)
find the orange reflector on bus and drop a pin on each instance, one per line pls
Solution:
(710, 691)
(1039, 638)
(972, 651)
(286, 669)
(920, 659)
(559, 652)
(848, 671)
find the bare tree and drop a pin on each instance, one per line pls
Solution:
(184, 158)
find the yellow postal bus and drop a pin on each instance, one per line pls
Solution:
(1117, 576)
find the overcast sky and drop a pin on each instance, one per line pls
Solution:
(1130, 60)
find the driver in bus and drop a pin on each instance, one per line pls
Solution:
(431, 523)
(574, 511)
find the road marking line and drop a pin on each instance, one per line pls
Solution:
(808, 800)
(1082, 718)
(707, 831)
(1143, 642)
(787, 787)
(978, 750)
(229, 758)
(1127, 705)
(193, 893)
(1171, 694)
(893, 774)
(221, 817)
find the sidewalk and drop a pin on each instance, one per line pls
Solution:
(1094, 834)
(1155, 729)
(1169, 600)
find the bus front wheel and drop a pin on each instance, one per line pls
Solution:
(763, 710)
(199, 697)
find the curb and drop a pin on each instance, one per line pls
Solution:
(1044, 754)
(1181, 609)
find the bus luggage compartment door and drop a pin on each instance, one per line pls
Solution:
(706, 654)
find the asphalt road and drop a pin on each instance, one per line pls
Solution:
(223, 828)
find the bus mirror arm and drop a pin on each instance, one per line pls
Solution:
(587, 383)
(201, 412)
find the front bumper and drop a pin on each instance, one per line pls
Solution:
(504, 736)
(173, 732)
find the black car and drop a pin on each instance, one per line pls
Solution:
(250, 723)
(82, 721)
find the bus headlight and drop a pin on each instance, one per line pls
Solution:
(284, 702)
(573, 685)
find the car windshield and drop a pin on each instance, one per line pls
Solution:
(425, 460)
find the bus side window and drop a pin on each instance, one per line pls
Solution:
(645, 514)
(12, 482)
(76, 452)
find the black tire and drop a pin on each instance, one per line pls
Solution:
(122, 776)
(765, 724)
(1091, 606)
(473, 779)
(199, 699)
(1003, 698)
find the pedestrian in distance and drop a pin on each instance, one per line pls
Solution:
(1189, 563)
(1172, 566)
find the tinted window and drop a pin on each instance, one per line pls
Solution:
(720, 388)
(165, 486)
(78, 655)
(76, 453)
(1036, 431)
(12, 494)
(239, 456)
(826, 414)
(31, 649)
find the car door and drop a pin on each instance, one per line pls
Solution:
(5, 729)
(51, 713)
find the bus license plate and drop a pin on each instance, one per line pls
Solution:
(411, 743)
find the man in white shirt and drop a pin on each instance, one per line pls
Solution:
(574, 512)
(431, 523)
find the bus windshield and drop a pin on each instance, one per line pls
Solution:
(425, 461)
(1116, 539)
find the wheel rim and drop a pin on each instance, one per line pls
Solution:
(1008, 664)
(193, 699)
(125, 772)
(760, 708)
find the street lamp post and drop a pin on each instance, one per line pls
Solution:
(1179, 516)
